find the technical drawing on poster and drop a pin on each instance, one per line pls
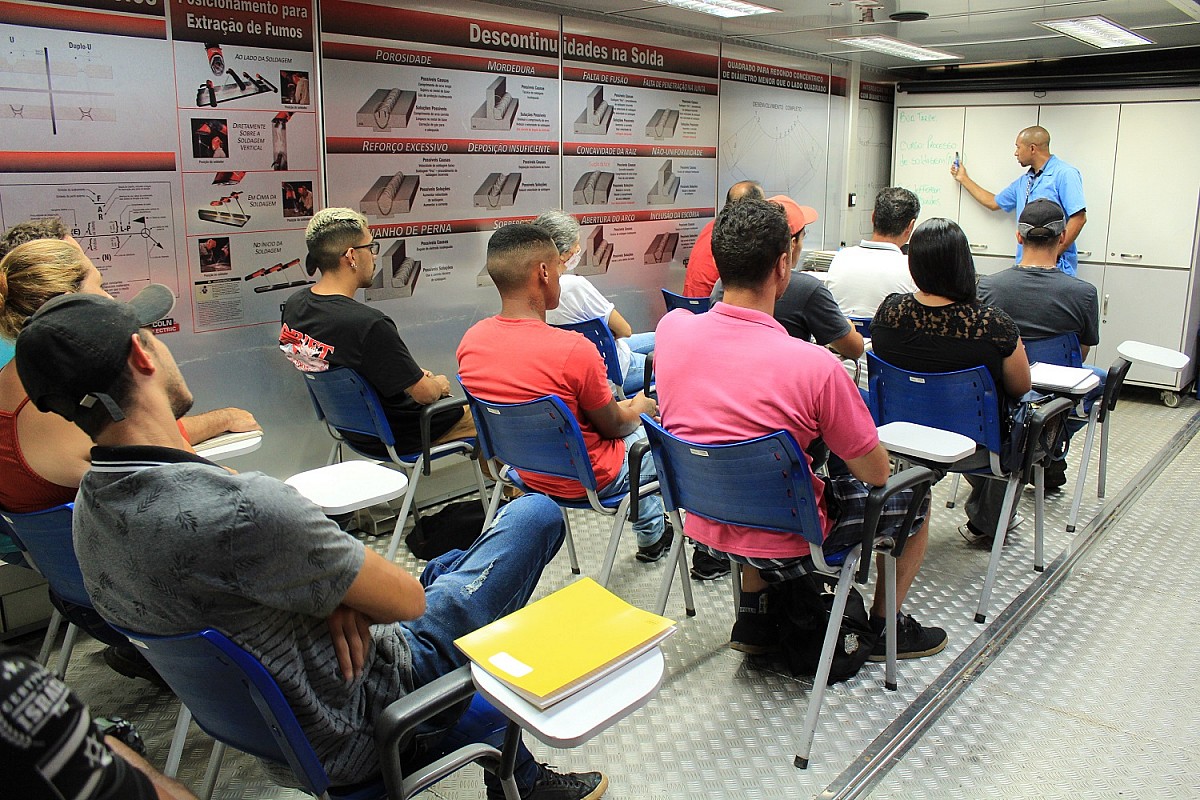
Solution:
(125, 228)
(662, 124)
(665, 188)
(391, 194)
(225, 216)
(274, 280)
(597, 114)
(662, 249)
(279, 158)
(596, 253)
(498, 190)
(386, 109)
(36, 77)
(593, 188)
(785, 150)
(397, 275)
(499, 108)
(234, 88)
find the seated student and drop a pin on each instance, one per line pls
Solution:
(324, 326)
(1042, 299)
(42, 456)
(515, 356)
(806, 309)
(943, 327)
(579, 301)
(701, 273)
(53, 750)
(171, 543)
(798, 387)
(860, 277)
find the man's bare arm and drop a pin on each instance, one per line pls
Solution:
(619, 419)
(200, 427)
(1075, 224)
(982, 196)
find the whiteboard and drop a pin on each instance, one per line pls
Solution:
(926, 140)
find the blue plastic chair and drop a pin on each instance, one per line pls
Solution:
(966, 402)
(45, 536)
(862, 325)
(598, 333)
(347, 403)
(239, 704)
(696, 305)
(1065, 351)
(766, 483)
(542, 436)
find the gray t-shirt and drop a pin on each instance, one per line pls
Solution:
(1044, 302)
(170, 543)
(806, 309)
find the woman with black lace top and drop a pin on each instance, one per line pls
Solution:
(943, 327)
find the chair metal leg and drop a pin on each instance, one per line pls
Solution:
(56, 620)
(183, 719)
(889, 587)
(1103, 469)
(570, 543)
(1085, 460)
(953, 490)
(675, 563)
(1039, 516)
(414, 476)
(481, 483)
(1010, 495)
(64, 655)
(214, 769)
(735, 573)
(820, 681)
(335, 454)
(494, 505)
(610, 557)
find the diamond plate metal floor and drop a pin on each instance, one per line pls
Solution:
(723, 725)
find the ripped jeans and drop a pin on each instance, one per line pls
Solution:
(467, 590)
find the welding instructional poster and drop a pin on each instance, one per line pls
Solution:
(88, 142)
(774, 128)
(439, 128)
(639, 144)
(246, 110)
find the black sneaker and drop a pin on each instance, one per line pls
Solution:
(551, 785)
(708, 568)
(756, 630)
(912, 640)
(653, 552)
(127, 660)
(1056, 476)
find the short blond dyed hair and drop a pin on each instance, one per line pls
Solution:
(330, 232)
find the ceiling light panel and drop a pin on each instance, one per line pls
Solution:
(1097, 31)
(895, 47)
(720, 8)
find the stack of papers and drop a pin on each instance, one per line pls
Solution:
(1057, 378)
(564, 642)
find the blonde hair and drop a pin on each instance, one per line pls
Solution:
(33, 273)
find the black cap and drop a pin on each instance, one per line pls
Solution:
(1042, 219)
(72, 351)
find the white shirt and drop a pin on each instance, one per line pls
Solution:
(860, 277)
(579, 301)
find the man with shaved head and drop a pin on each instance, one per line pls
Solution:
(701, 274)
(1046, 176)
(515, 356)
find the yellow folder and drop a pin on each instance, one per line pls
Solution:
(565, 641)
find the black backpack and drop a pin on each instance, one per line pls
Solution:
(456, 526)
(803, 606)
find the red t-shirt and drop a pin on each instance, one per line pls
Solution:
(701, 274)
(513, 360)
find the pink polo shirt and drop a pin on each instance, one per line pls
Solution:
(733, 374)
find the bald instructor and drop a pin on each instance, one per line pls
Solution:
(1046, 176)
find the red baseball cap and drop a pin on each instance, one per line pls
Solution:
(798, 216)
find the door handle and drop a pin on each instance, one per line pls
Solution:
(1131, 255)
(1085, 253)
(978, 246)
(1104, 308)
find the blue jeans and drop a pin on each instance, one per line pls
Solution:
(467, 590)
(635, 377)
(650, 522)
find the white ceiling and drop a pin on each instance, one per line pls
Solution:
(981, 31)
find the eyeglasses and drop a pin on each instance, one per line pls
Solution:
(372, 246)
(800, 234)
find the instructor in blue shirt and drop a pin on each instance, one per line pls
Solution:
(1046, 176)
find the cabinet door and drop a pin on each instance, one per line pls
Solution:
(1146, 305)
(988, 143)
(1086, 138)
(1103, 353)
(990, 265)
(1156, 185)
